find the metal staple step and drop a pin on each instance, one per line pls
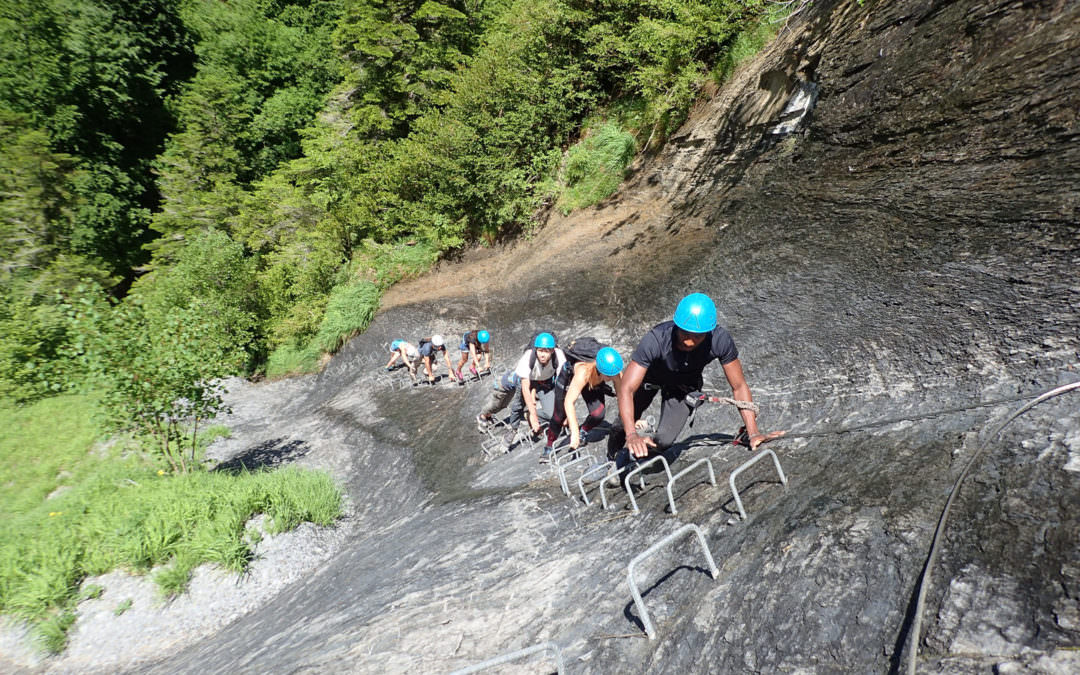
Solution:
(638, 602)
(671, 483)
(513, 656)
(749, 463)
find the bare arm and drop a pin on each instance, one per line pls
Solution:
(632, 377)
(573, 391)
(530, 404)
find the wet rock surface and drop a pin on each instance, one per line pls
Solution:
(899, 275)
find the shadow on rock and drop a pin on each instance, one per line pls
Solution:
(265, 455)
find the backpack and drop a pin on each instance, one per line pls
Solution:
(582, 349)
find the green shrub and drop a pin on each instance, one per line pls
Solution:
(131, 516)
(595, 166)
(348, 312)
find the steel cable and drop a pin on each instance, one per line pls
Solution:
(924, 579)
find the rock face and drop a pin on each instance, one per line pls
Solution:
(896, 254)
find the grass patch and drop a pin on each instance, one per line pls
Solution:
(352, 304)
(291, 359)
(595, 166)
(749, 41)
(123, 513)
(349, 311)
(43, 446)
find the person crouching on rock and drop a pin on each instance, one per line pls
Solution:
(429, 349)
(670, 359)
(472, 344)
(396, 353)
(587, 379)
(536, 371)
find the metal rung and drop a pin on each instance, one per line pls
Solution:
(490, 445)
(640, 467)
(752, 461)
(604, 484)
(564, 452)
(610, 471)
(587, 457)
(671, 483)
(513, 656)
(638, 602)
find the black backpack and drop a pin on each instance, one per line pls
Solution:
(582, 349)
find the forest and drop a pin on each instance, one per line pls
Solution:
(264, 168)
(193, 189)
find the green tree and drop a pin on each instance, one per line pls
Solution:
(94, 74)
(160, 374)
(263, 72)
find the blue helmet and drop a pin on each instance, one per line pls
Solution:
(608, 362)
(544, 341)
(395, 344)
(483, 336)
(696, 313)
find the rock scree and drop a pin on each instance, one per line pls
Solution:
(897, 258)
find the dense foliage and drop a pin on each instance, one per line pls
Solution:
(330, 147)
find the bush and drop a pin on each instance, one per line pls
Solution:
(159, 372)
(595, 166)
(130, 516)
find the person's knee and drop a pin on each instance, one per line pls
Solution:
(615, 442)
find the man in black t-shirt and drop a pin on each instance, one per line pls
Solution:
(670, 360)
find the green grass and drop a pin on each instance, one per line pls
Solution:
(43, 446)
(349, 311)
(595, 166)
(750, 41)
(123, 513)
(293, 360)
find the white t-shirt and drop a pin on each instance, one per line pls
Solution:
(539, 372)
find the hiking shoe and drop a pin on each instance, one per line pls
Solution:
(545, 456)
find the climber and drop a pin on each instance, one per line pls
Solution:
(472, 344)
(670, 359)
(397, 353)
(429, 348)
(590, 366)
